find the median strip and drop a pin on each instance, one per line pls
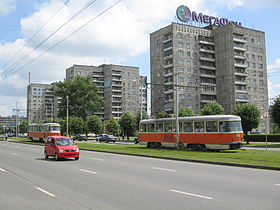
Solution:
(46, 192)
(92, 172)
(191, 194)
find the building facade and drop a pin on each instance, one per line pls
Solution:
(223, 64)
(121, 87)
(41, 102)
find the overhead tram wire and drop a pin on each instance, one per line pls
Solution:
(110, 7)
(14, 66)
(35, 34)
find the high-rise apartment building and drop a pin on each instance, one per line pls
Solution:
(41, 102)
(121, 87)
(223, 64)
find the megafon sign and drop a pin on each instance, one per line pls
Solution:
(184, 14)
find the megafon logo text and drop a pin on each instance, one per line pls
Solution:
(184, 14)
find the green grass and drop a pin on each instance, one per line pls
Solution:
(250, 157)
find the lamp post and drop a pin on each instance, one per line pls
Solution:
(177, 111)
(67, 103)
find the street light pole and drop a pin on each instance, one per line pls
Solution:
(67, 103)
(177, 112)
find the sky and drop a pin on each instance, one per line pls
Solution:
(45, 37)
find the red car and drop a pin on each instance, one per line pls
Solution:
(61, 147)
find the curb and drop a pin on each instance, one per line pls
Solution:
(181, 159)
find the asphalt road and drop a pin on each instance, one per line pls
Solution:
(109, 181)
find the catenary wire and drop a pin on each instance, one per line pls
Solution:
(89, 3)
(35, 34)
(104, 11)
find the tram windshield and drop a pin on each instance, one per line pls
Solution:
(228, 126)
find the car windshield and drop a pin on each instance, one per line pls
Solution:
(54, 128)
(110, 136)
(64, 142)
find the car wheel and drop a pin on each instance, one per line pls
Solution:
(56, 157)
(46, 156)
(77, 158)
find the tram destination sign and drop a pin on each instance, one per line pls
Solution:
(184, 14)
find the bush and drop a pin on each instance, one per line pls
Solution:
(261, 138)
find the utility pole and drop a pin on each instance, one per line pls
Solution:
(67, 104)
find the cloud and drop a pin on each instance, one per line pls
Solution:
(7, 6)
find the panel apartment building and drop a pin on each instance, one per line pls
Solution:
(223, 64)
(41, 102)
(121, 87)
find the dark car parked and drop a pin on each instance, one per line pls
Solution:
(106, 137)
(80, 137)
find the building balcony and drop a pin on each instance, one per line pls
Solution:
(98, 81)
(244, 74)
(168, 48)
(205, 42)
(240, 65)
(239, 40)
(167, 39)
(98, 75)
(239, 48)
(240, 82)
(118, 73)
(241, 57)
(208, 100)
(207, 67)
(241, 91)
(207, 75)
(168, 91)
(207, 59)
(168, 57)
(169, 74)
(168, 83)
(168, 65)
(207, 51)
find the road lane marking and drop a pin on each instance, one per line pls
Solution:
(34, 149)
(44, 191)
(16, 154)
(191, 194)
(1, 169)
(92, 172)
(277, 185)
(97, 159)
(163, 169)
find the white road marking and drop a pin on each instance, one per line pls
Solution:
(16, 154)
(44, 191)
(163, 169)
(34, 149)
(277, 185)
(191, 194)
(92, 172)
(97, 159)
(1, 169)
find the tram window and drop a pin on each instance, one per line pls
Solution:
(188, 127)
(168, 127)
(211, 127)
(151, 127)
(230, 126)
(143, 128)
(159, 127)
(199, 126)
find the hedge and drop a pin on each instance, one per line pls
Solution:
(261, 138)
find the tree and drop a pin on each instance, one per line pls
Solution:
(186, 112)
(212, 109)
(138, 116)
(23, 126)
(77, 125)
(162, 114)
(2, 129)
(94, 124)
(128, 122)
(83, 97)
(112, 126)
(250, 116)
(275, 111)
